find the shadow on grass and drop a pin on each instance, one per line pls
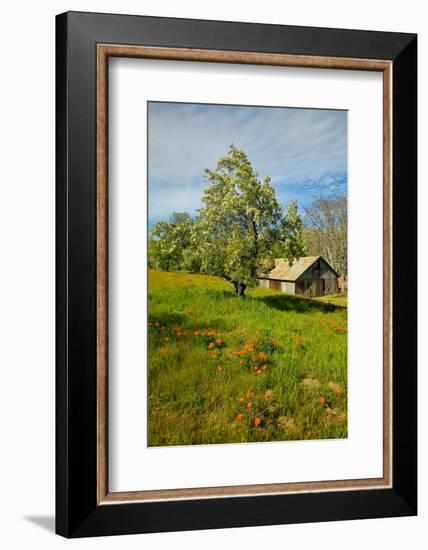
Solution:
(299, 305)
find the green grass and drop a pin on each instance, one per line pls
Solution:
(335, 299)
(210, 354)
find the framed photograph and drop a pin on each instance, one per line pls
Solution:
(236, 274)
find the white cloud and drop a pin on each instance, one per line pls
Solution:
(290, 145)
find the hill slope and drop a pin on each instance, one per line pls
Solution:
(265, 367)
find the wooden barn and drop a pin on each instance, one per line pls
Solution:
(309, 276)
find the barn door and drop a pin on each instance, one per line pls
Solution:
(275, 285)
(319, 287)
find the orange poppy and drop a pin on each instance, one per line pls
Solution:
(239, 417)
(322, 400)
(249, 405)
(196, 333)
(241, 399)
(257, 421)
(338, 390)
(211, 345)
(264, 367)
(250, 394)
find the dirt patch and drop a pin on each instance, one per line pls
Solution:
(287, 423)
(311, 383)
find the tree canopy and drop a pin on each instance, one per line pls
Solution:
(241, 220)
(169, 240)
(236, 233)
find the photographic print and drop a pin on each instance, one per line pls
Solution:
(247, 278)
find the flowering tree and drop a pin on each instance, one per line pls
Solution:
(169, 241)
(241, 220)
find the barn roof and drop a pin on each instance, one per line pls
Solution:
(284, 272)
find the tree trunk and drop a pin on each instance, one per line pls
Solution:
(240, 287)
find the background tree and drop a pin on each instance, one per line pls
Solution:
(241, 220)
(326, 231)
(293, 245)
(169, 240)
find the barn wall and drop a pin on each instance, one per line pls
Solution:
(288, 287)
(307, 285)
(283, 286)
(264, 283)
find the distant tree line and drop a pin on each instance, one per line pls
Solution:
(242, 227)
(326, 231)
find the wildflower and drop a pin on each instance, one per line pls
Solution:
(219, 341)
(338, 390)
(249, 405)
(203, 334)
(211, 345)
(253, 359)
(257, 421)
(268, 395)
(264, 367)
(239, 417)
(196, 333)
(219, 369)
(262, 355)
(157, 324)
(241, 362)
(163, 350)
(214, 355)
(250, 394)
(241, 399)
(322, 400)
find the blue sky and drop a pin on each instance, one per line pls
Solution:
(304, 151)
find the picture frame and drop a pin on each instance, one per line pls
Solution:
(84, 44)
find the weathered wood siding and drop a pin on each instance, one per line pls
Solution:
(288, 287)
(264, 283)
(318, 280)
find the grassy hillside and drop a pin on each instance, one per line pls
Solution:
(265, 367)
